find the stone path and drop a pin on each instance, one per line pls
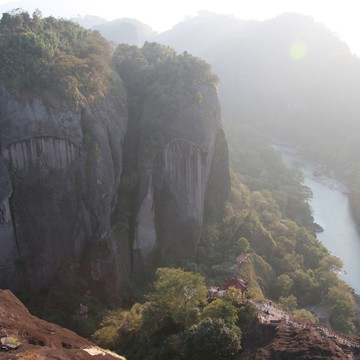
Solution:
(273, 314)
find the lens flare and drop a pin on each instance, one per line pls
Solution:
(298, 51)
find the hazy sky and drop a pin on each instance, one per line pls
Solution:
(341, 16)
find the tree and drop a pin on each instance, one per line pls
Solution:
(288, 302)
(242, 244)
(331, 263)
(107, 335)
(221, 309)
(211, 339)
(177, 295)
(53, 54)
(342, 317)
(342, 313)
(283, 285)
(305, 287)
(305, 315)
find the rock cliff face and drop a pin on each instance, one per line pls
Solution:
(9, 252)
(47, 152)
(65, 167)
(68, 181)
(181, 172)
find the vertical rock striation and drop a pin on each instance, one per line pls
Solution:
(178, 175)
(46, 152)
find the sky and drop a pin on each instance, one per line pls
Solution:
(340, 16)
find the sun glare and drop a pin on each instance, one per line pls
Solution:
(298, 50)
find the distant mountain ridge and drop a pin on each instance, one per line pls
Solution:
(120, 31)
(288, 77)
(195, 35)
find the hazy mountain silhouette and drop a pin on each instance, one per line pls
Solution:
(196, 34)
(286, 74)
(121, 31)
(290, 77)
(129, 31)
(88, 21)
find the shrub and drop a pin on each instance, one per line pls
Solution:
(221, 309)
(211, 339)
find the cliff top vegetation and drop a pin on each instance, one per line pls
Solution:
(39, 54)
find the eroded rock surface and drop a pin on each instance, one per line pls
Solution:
(40, 339)
(120, 185)
(65, 166)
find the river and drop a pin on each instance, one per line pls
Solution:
(331, 209)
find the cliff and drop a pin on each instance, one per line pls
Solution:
(179, 174)
(39, 339)
(114, 173)
(9, 253)
(64, 190)
(174, 139)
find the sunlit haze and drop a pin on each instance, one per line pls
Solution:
(340, 16)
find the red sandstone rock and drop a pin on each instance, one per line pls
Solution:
(40, 339)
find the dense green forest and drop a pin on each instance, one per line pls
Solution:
(46, 53)
(267, 215)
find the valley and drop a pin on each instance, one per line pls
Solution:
(135, 176)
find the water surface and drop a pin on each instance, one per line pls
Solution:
(331, 210)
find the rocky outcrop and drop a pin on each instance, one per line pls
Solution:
(66, 166)
(70, 184)
(178, 175)
(39, 339)
(8, 250)
(181, 174)
(274, 341)
(277, 334)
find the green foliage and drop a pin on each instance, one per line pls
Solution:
(177, 295)
(107, 336)
(342, 313)
(306, 316)
(306, 288)
(242, 244)
(262, 169)
(247, 313)
(331, 263)
(159, 68)
(221, 309)
(288, 302)
(53, 54)
(211, 340)
(234, 296)
(155, 78)
(268, 208)
(283, 285)
(169, 322)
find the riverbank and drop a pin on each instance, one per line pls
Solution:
(331, 210)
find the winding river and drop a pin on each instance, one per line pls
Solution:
(331, 210)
